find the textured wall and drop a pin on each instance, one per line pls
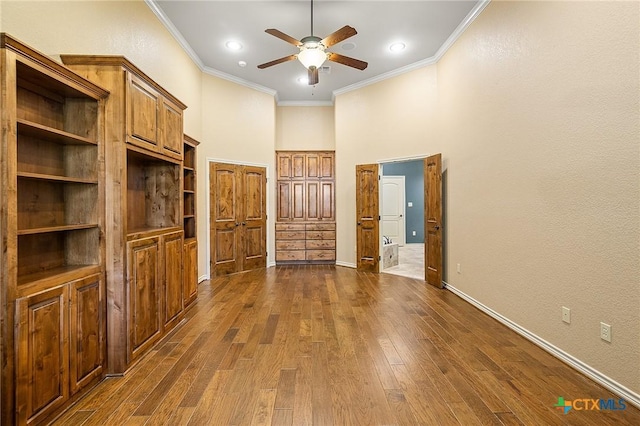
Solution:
(305, 128)
(538, 122)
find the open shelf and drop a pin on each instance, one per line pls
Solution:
(55, 178)
(62, 228)
(40, 131)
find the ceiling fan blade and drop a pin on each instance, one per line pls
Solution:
(283, 36)
(345, 60)
(277, 61)
(338, 36)
(313, 76)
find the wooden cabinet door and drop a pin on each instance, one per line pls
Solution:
(326, 198)
(284, 201)
(312, 166)
(42, 354)
(326, 161)
(190, 273)
(254, 217)
(87, 328)
(298, 200)
(367, 213)
(298, 165)
(283, 166)
(312, 205)
(172, 246)
(172, 132)
(143, 271)
(142, 120)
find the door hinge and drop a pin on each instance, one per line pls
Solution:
(379, 257)
(378, 217)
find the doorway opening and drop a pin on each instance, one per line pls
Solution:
(402, 218)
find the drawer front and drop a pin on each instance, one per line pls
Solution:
(289, 235)
(321, 244)
(321, 226)
(321, 235)
(290, 245)
(283, 255)
(321, 255)
(289, 226)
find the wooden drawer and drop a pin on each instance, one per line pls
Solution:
(284, 255)
(289, 226)
(321, 226)
(321, 235)
(321, 244)
(321, 255)
(290, 245)
(289, 235)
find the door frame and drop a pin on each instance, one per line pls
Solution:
(270, 237)
(381, 163)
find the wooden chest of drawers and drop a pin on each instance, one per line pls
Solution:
(305, 242)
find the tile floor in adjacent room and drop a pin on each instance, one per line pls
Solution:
(411, 262)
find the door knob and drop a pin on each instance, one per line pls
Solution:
(243, 224)
(359, 223)
(237, 224)
(437, 227)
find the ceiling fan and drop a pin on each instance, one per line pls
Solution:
(313, 50)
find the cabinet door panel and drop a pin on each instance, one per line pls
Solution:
(142, 124)
(298, 163)
(42, 360)
(326, 198)
(326, 165)
(144, 294)
(297, 200)
(283, 163)
(313, 166)
(284, 201)
(190, 272)
(173, 302)
(171, 130)
(87, 331)
(313, 200)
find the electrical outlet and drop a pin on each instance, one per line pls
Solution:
(566, 315)
(414, 233)
(605, 332)
(458, 268)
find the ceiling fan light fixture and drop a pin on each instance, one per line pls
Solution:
(312, 52)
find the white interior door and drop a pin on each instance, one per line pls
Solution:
(393, 210)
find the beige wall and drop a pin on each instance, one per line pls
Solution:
(393, 119)
(305, 128)
(538, 122)
(239, 128)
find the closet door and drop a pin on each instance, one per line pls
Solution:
(225, 217)
(254, 218)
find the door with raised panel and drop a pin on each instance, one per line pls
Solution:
(367, 215)
(190, 273)
(142, 123)
(237, 218)
(433, 220)
(173, 297)
(171, 129)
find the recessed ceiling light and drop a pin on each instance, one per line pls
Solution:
(303, 80)
(397, 47)
(348, 45)
(233, 45)
(242, 64)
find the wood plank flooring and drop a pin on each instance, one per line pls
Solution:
(326, 345)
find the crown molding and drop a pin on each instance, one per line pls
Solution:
(196, 59)
(471, 16)
(232, 78)
(305, 103)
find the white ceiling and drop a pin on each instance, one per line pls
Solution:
(203, 27)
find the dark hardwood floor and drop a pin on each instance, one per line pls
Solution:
(329, 345)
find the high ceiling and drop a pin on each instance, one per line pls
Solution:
(204, 28)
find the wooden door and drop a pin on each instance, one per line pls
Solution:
(42, 354)
(284, 201)
(142, 104)
(143, 272)
(87, 341)
(367, 216)
(253, 204)
(171, 129)
(225, 217)
(238, 218)
(433, 220)
(172, 246)
(190, 271)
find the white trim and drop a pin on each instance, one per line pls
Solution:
(346, 264)
(175, 33)
(271, 264)
(203, 278)
(305, 103)
(595, 375)
(232, 78)
(208, 161)
(471, 16)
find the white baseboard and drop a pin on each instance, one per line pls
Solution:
(346, 264)
(595, 375)
(203, 278)
(271, 264)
